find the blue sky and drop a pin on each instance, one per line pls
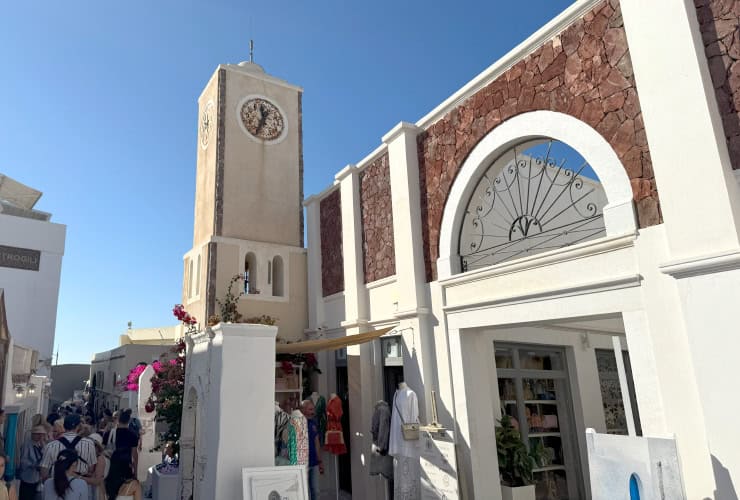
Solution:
(100, 114)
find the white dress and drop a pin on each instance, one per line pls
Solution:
(406, 467)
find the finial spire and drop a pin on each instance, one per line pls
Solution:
(251, 51)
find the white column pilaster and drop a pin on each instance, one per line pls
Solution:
(700, 201)
(698, 193)
(408, 243)
(355, 294)
(315, 302)
(413, 296)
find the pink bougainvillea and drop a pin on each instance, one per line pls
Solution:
(131, 383)
(184, 316)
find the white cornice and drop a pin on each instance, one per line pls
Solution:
(608, 284)
(235, 68)
(705, 264)
(381, 282)
(412, 313)
(401, 128)
(564, 254)
(372, 156)
(540, 37)
(349, 169)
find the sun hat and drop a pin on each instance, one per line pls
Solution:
(39, 429)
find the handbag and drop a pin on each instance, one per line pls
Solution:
(334, 437)
(410, 431)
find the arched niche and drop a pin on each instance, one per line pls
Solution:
(278, 278)
(250, 273)
(617, 211)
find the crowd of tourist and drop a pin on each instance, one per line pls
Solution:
(67, 457)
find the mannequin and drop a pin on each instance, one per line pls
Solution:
(406, 466)
(297, 439)
(381, 463)
(334, 441)
(281, 438)
(320, 404)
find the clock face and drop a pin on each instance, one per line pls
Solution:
(262, 119)
(205, 128)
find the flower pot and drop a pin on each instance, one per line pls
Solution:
(518, 493)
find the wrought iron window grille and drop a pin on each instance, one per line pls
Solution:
(529, 202)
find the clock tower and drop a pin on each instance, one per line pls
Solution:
(248, 200)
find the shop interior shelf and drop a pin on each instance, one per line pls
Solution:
(549, 467)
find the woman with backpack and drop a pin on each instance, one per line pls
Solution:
(65, 485)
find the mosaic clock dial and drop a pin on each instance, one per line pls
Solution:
(205, 128)
(262, 119)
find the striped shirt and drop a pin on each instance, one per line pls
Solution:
(85, 449)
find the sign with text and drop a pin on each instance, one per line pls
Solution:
(20, 258)
(438, 466)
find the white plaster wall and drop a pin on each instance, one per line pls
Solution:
(31, 297)
(383, 298)
(710, 313)
(225, 365)
(333, 310)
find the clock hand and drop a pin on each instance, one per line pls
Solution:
(263, 118)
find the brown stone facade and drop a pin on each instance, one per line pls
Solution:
(585, 72)
(719, 21)
(379, 259)
(332, 259)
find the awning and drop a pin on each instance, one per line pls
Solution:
(330, 344)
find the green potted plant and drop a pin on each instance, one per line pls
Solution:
(515, 462)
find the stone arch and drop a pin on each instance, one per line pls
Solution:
(619, 213)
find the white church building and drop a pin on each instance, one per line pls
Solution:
(578, 198)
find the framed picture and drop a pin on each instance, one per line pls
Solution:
(275, 483)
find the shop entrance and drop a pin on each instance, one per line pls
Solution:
(534, 390)
(344, 461)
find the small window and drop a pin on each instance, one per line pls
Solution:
(197, 277)
(277, 276)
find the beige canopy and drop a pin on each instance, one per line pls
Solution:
(330, 344)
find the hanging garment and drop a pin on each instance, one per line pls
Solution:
(320, 405)
(407, 471)
(406, 403)
(281, 426)
(334, 439)
(297, 439)
(380, 461)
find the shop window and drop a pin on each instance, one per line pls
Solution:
(611, 392)
(538, 196)
(277, 276)
(250, 273)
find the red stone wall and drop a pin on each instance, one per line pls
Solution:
(585, 72)
(379, 258)
(719, 21)
(332, 260)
